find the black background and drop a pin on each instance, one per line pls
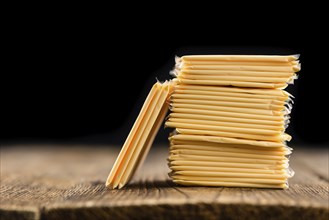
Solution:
(83, 79)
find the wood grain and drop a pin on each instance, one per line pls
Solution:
(52, 182)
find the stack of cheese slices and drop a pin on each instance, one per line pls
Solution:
(230, 113)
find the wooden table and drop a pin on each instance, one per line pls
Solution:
(56, 182)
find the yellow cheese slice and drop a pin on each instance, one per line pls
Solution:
(245, 175)
(226, 154)
(218, 147)
(228, 184)
(226, 169)
(226, 73)
(225, 140)
(208, 164)
(234, 83)
(244, 68)
(230, 104)
(141, 135)
(229, 111)
(228, 119)
(181, 125)
(232, 179)
(236, 63)
(227, 99)
(252, 58)
(145, 149)
(225, 159)
(274, 92)
(232, 126)
(228, 147)
(226, 79)
(275, 138)
(138, 140)
(227, 94)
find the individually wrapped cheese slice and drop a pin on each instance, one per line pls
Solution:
(237, 148)
(235, 83)
(225, 140)
(252, 58)
(219, 79)
(201, 152)
(245, 176)
(189, 157)
(273, 92)
(263, 68)
(275, 138)
(203, 168)
(227, 119)
(224, 126)
(272, 106)
(232, 111)
(228, 98)
(141, 135)
(211, 164)
(180, 63)
(236, 183)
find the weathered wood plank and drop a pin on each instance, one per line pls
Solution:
(19, 212)
(68, 183)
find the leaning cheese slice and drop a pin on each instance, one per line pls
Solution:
(141, 135)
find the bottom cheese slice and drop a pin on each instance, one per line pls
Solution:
(229, 184)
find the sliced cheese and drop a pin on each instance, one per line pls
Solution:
(230, 104)
(241, 179)
(231, 126)
(189, 157)
(274, 92)
(219, 79)
(275, 138)
(141, 135)
(226, 169)
(228, 94)
(234, 83)
(292, 68)
(228, 119)
(229, 111)
(228, 184)
(239, 174)
(207, 164)
(224, 140)
(229, 114)
(228, 99)
(226, 154)
(237, 63)
(252, 58)
(217, 147)
(254, 68)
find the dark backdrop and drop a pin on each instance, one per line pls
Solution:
(84, 81)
